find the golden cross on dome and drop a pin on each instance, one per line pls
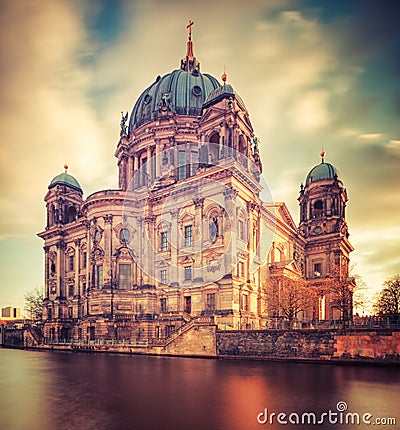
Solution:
(189, 26)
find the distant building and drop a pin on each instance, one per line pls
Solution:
(186, 235)
(10, 312)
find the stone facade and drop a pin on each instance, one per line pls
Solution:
(320, 345)
(186, 235)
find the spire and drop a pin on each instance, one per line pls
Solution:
(189, 63)
(66, 168)
(322, 154)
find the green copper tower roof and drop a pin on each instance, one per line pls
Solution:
(322, 171)
(65, 179)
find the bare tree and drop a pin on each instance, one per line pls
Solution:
(340, 289)
(287, 297)
(360, 299)
(388, 300)
(33, 303)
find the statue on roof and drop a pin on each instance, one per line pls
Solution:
(124, 118)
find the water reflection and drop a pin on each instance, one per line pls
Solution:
(43, 390)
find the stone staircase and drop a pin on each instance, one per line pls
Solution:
(33, 335)
(194, 321)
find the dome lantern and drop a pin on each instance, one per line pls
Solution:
(182, 92)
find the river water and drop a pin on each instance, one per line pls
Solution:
(60, 391)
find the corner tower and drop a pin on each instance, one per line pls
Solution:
(324, 227)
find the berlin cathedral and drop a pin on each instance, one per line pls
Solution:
(187, 235)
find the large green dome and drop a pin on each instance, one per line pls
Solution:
(65, 179)
(183, 91)
(322, 171)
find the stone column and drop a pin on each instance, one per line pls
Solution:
(135, 170)
(148, 167)
(158, 154)
(46, 272)
(130, 172)
(77, 285)
(122, 172)
(200, 226)
(60, 268)
(252, 220)
(77, 267)
(107, 270)
(174, 275)
(230, 195)
(88, 253)
(148, 251)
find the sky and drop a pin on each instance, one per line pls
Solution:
(312, 74)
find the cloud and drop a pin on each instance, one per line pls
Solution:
(45, 115)
(393, 145)
(307, 83)
(370, 137)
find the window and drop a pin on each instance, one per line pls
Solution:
(144, 171)
(188, 273)
(71, 262)
(241, 268)
(188, 235)
(163, 304)
(84, 287)
(124, 281)
(170, 330)
(245, 302)
(194, 162)
(182, 165)
(70, 312)
(211, 301)
(84, 259)
(71, 214)
(318, 208)
(213, 229)
(163, 276)
(188, 304)
(97, 236)
(241, 230)
(99, 276)
(124, 235)
(71, 290)
(317, 270)
(164, 241)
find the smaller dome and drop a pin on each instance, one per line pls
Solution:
(65, 179)
(322, 171)
(221, 92)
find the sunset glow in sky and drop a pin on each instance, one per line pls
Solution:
(312, 74)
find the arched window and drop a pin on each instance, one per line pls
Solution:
(72, 213)
(97, 236)
(213, 229)
(124, 235)
(318, 208)
(242, 145)
(303, 211)
(214, 138)
(51, 215)
(214, 148)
